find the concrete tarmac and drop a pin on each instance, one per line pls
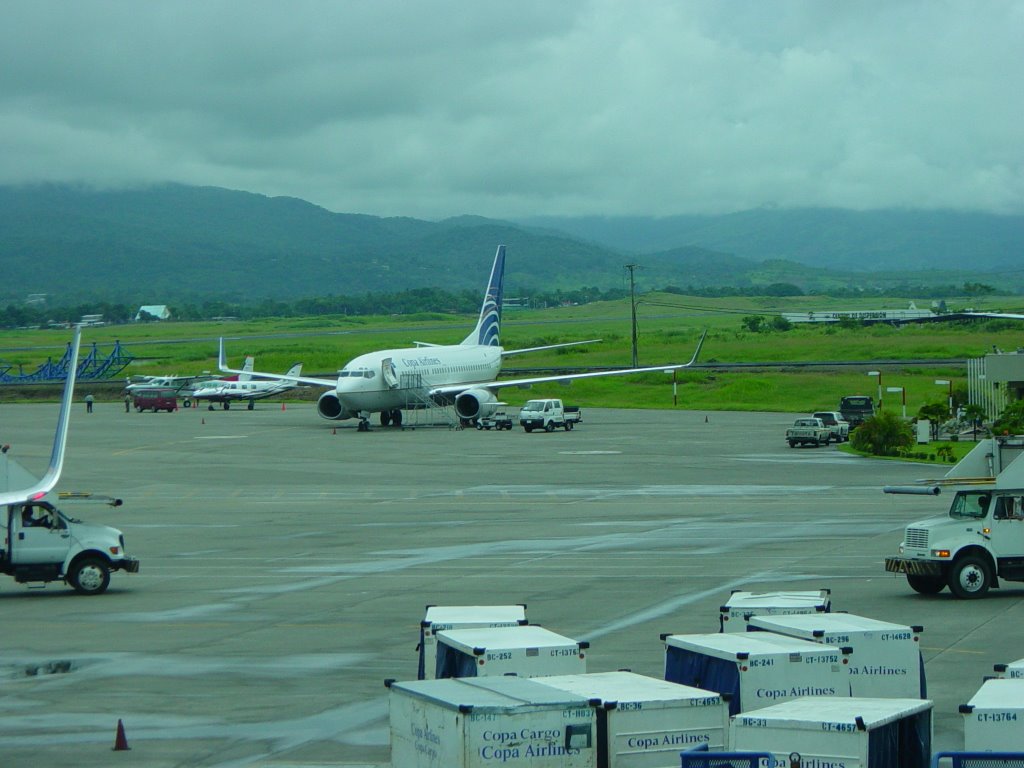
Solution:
(286, 562)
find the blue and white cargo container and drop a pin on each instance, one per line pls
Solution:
(444, 617)
(851, 733)
(527, 651)
(756, 669)
(497, 721)
(994, 717)
(643, 722)
(886, 660)
(742, 605)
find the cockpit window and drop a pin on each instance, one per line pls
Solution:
(972, 505)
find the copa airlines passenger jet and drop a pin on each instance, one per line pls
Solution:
(463, 374)
(224, 391)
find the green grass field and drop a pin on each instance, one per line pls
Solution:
(665, 335)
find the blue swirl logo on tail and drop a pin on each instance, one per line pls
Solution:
(488, 327)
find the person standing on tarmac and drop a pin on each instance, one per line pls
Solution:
(127, 402)
(88, 403)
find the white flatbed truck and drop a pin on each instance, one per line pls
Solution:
(549, 415)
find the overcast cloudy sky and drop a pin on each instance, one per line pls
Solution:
(505, 109)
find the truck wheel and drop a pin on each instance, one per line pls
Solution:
(792, 443)
(970, 577)
(90, 576)
(549, 427)
(926, 585)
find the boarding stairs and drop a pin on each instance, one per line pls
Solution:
(420, 409)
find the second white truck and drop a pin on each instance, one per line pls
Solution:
(980, 540)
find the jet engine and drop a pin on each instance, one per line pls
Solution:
(475, 404)
(329, 407)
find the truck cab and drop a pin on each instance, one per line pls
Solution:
(856, 409)
(42, 544)
(980, 539)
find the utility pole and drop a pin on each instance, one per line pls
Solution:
(632, 302)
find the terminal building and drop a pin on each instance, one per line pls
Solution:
(996, 380)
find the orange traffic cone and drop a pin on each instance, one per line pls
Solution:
(204, 420)
(334, 430)
(282, 406)
(120, 741)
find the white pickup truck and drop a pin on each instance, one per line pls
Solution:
(549, 415)
(808, 431)
(839, 426)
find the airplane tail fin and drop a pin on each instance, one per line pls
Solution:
(295, 370)
(246, 374)
(488, 327)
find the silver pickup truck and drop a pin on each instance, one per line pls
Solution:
(808, 431)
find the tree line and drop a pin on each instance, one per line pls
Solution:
(417, 300)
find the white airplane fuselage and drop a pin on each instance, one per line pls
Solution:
(392, 379)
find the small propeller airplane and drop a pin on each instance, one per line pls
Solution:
(226, 391)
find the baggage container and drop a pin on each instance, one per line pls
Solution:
(836, 732)
(442, 617)
(1012, 671)
(643, 722)
(742, 605)
(886, 660)
(994, 717)
(477, 722)
(527, 651)
(756, 669)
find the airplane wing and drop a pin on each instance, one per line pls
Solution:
(45, 485)
(222, 364)
(495, 385)
(510, 352)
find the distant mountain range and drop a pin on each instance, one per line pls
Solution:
(173, 243)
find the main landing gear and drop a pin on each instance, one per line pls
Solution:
(391, 418)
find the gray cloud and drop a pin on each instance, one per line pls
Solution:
(518, 108)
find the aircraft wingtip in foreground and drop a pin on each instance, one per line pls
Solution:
(49, 480)
(465, 374)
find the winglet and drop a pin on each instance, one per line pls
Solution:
(45, 485)
(699, 345)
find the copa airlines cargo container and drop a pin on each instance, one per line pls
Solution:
(886, 660)
(840, 733)
(1012, 671)
(527, 651)
(743, 605)
(994, 717)
(756, 669)
(444, 617)
(497, 721)
(643, 722)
